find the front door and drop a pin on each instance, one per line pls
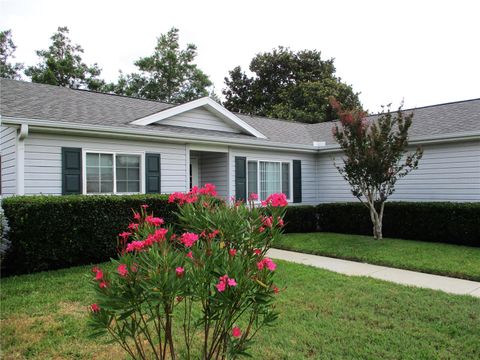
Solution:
(194, 172)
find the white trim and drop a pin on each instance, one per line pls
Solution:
(207, 103)
(20, 157)
(290, 175)
(209, 148)
(114, 153)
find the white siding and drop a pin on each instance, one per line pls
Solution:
(309, 175)
(214, 170)
(199, 119)
(8, 138)
(447, 172)
(43, 157)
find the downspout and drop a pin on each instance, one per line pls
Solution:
(22, 134)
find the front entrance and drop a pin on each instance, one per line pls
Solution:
(194, 178)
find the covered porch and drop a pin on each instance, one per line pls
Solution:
(209, 165)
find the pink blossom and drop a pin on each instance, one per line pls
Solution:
(124, 235)
(103, 284)
(155, 221)
(189, 255)
(208, 189)
(145, 206)
(261, 229)
(268, 263)
(253, 197)
(95, 308)
(224, 281)
(213, 234)
(99, 275)
(276, 290)
(221, 286)
(276, 200)
(236, 332)
(122, 270)
(180, 271)
(267, 221)
(134, 267)
(231, 282)
(137, 216)
(135, 246)
(188, 239)
(232, 252)
(257, 251)
(133, 226)
(280, 222)
(260, 265)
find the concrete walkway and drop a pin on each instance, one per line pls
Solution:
(399, 276)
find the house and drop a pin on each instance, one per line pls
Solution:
(57, 141)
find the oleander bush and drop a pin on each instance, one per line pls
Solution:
(209, 273)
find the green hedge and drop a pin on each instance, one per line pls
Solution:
(301, 219)
(448, 222)
(52, 232)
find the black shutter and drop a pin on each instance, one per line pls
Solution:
(297, 181)
(240, 178)
(152, 173)
(71, 171)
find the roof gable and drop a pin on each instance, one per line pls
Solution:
(203, 113)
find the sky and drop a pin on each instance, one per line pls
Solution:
(421, 52)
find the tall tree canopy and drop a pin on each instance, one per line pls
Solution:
(7, 48)
(62, 65)
(288, 85)
(170, 74)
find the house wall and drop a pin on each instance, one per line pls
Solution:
(8, 138)
(447, 172)
(309, 171)
(43, 156)
(214, 170)
(199, 119)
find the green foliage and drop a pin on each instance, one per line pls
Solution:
(213, 261)
(374, 156)
(168, 75)
(62, 65)
(288, 85)
(7, 48)
(51, 232)
(301, 219)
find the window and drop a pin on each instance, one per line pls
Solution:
(109, 173)
(268, 177)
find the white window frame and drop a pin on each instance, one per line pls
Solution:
(290, 164)
(114, 155)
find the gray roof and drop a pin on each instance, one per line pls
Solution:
(22, 99)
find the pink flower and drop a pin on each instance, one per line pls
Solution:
(261, 229)
(135, 246)
(188, 239)
(257, 251)
(253, 197)
(236, 332)
(103, 284)
(155, 221)
(133, 226)
(122, 270)
(267, 221)
(231, 282)
(221, 286)
(134, 267)
(208, 189)
(276, 200)
(276, 290)
(99, 275)
(144, 206)
(260, 265)
(124, 235)
(213, 234)
(180, 271)
(190, 255)
(95, 308)
(232, 252)
(280, 222)
(268, 263)
(137, 216)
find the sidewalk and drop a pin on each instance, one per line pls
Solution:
(399, 276)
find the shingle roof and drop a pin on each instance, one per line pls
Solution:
(45, 102)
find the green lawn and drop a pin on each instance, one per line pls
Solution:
(435, 258)
(323, 315)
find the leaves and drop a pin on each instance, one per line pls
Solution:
(7, 48)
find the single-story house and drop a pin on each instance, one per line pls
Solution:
(57, 141)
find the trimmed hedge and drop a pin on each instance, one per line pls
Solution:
(301, 219)
(447, 222)
(52, 232)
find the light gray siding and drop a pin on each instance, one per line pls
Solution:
(43, 156)
(309, 174)
(447, 172)
(214, 170)
(199, 119)
(8, 138)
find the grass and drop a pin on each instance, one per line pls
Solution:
(435, 258)
(323, 315)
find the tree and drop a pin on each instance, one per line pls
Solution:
(62, 65)
(7, 48)
(375, 156)
(168, 75)
(288, 85)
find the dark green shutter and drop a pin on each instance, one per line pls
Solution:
(152, 173)
(240, 178)
(297, 181)
(71, 171)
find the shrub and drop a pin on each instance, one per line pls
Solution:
(448, 222)
(213, 263)
(301, 219)
(4, 242)
(52, 232)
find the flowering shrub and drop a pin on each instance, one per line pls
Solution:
(209, 275)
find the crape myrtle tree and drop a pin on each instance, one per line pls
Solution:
(8, 70)
(169, 74)
(375, 155)
(62, 65)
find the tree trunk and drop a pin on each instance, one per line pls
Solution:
(376, 217)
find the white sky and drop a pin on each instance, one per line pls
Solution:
(426, 52)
